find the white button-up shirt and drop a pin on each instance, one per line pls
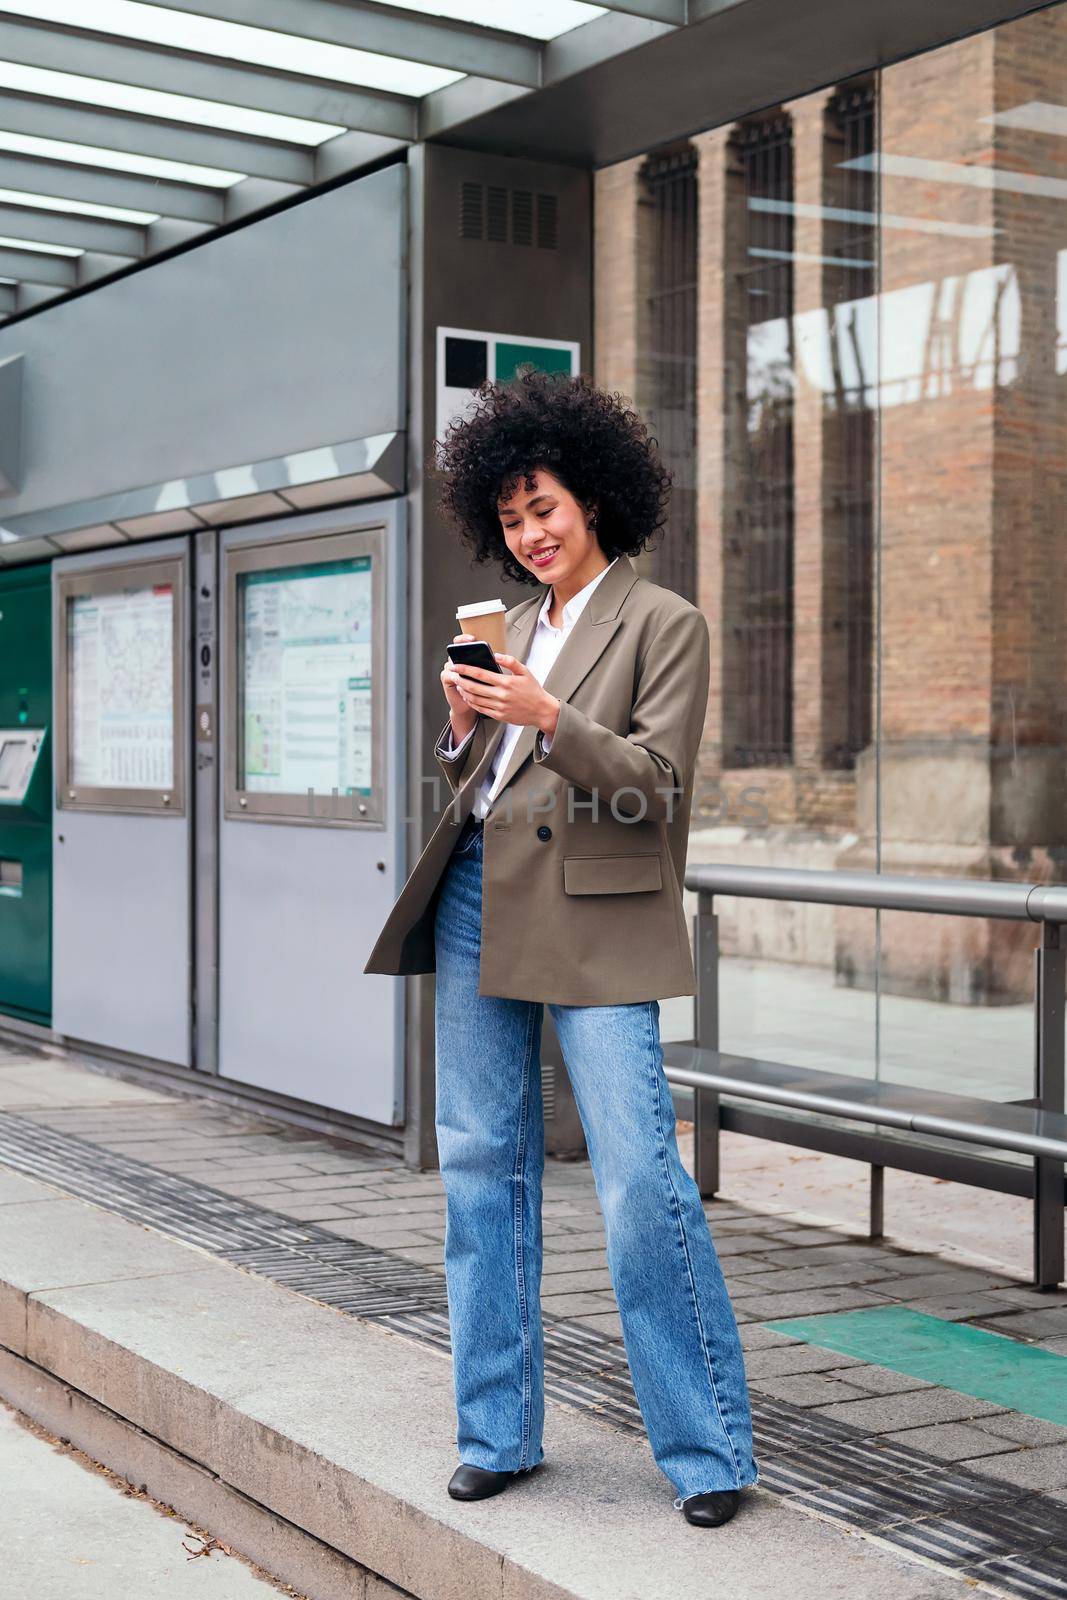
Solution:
(546, 646)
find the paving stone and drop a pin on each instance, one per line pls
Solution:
(307, 1210)
(603, 1322)
(556, 1242)
(951, 1441)
(957, 1307)
(808, 1389)
(430, 1255)
(740, 1266)
(1050, 1324)
(261, 1189)
(577, 1305)
(372, 1233)
(563, 1261)
(883, 1380)
(1024, 1430)
(207, 1171)
(742, 1223)
(347, 1199)
(397, 1208)
(575, 1282)
(1036, 1299)
(782, 1360)
(849, 1272)
(736, 1244)
(1041, 1468)
(811, 1302)
(941, 1284)
(743, 1317)
(397, 1219)
(810, 1236)
(889, 1413)
(757, 1337)
(18, 1190)
(356, 1181)
(819, 1255)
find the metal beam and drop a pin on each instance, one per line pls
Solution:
(260, 158)
(59, 270)
(30, 295)
(733, 57)
(579, 50)
(674, 11)
(229, 83)
(350, 151)
(255, 194)
(358, 25)
(171, 231)
(84, 233)
(96, 264)
(65, 182)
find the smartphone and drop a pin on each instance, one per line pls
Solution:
(476, 654)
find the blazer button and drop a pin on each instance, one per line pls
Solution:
(543, 832)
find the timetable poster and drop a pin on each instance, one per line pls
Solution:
(306, 678)
(121, 689)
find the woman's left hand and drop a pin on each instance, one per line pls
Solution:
(512, 696)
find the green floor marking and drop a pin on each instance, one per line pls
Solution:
(989, 1366)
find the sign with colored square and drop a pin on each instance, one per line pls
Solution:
(467, 357)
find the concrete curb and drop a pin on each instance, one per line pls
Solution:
(319, 1445)
(278, 1546)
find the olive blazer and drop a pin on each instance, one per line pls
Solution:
(584, 847)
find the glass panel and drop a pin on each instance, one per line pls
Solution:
(304, 716)
(120, 650)
(973, 426)
(776, 248)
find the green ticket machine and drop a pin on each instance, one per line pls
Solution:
(26, 793)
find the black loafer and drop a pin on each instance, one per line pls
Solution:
(477, 1483)
(711, 1510)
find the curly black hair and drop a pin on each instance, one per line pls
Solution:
(592, 441)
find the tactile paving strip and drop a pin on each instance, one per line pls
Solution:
(984, 1530)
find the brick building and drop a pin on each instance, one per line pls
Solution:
(846, 317)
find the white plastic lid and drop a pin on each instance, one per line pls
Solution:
(480, 608)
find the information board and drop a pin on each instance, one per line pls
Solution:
(305, 678)
(120, 654)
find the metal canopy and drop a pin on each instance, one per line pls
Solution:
(128, 127)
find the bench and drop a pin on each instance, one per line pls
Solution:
(908, 1128)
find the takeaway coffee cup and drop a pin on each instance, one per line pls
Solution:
(485, 620)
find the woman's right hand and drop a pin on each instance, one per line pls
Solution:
(462, 715)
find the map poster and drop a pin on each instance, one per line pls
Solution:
(306, 678)
(121, 665)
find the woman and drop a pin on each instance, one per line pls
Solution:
(560, 882)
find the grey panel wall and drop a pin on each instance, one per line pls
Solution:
(278, 337)
(122, 903)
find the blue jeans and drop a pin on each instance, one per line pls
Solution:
(678, 1326)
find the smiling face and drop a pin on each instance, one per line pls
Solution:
(547, 531)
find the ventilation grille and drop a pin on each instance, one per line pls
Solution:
(508, 216)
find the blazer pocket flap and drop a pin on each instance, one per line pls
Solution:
(611, 874)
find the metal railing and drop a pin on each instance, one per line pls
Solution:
(1044, 905)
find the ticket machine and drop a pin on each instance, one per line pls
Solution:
(25, 795)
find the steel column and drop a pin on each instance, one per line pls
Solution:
(706, 1101)
(1049, 1095)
